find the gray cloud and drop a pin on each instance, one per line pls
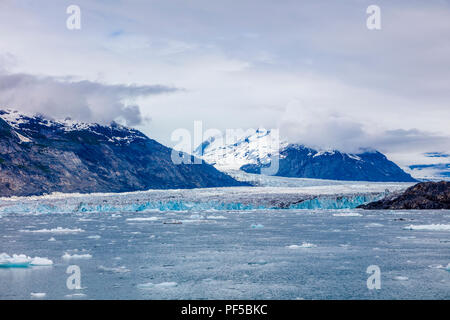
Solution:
(338, 132)
(81, 100)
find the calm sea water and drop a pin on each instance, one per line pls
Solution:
(230, 255)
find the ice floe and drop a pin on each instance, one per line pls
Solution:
(57, 230)
(38, 294)
(347, 214)
(374, 225)
(143, 219)
(68, 256)
(75, 295)
(217, 217)
(431, 227)
(303, 245)
(440, 266)
(162, 285)
(121, 269)
(22, 261)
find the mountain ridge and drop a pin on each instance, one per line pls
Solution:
(39, 155)
(254, 152)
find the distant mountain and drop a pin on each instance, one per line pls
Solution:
(253, 152)
(39, 155)
(430, 172)
(435, 168)
(424, 195)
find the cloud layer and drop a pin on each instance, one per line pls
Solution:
(242, 64)
(81, 100)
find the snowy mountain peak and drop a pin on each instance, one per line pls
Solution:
(39, 155)
(254, 152)
(27, 125)
(235, 149)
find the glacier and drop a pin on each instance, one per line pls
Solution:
(287, 194)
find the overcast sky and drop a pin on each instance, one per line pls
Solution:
(310, 68)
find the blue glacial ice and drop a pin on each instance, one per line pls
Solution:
(340, 195)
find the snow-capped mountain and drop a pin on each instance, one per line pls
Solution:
(435, 167)
(252, 147)
(38, 155)
(255, 152)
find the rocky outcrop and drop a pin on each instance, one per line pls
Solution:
(424, 195)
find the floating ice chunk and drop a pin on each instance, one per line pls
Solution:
(440, 266)
(121, 269)
(162, 285)
(22, 261)
(38, 294)
(431, 227)
(257, 226)
(55, 230)
(303, 245)
(68, 256)
(405, 238)
(96, 237)
(38, 261)
(52, 239)
(347, 214)
(401, 278)
(75, 295)
(14, 261)
(143, 219)
(374, 225)
(217, 217)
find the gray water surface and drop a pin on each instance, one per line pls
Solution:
(230, 255)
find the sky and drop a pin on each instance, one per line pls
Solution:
(310, 68)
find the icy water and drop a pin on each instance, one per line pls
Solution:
(258, 254)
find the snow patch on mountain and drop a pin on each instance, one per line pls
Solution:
(25, 122)
(234, 151)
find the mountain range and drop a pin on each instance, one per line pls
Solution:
(256, 151)
(39, 155)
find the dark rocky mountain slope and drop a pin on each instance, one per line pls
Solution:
(303, 162)
(40, 156)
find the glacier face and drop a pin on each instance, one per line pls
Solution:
(307, 194)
